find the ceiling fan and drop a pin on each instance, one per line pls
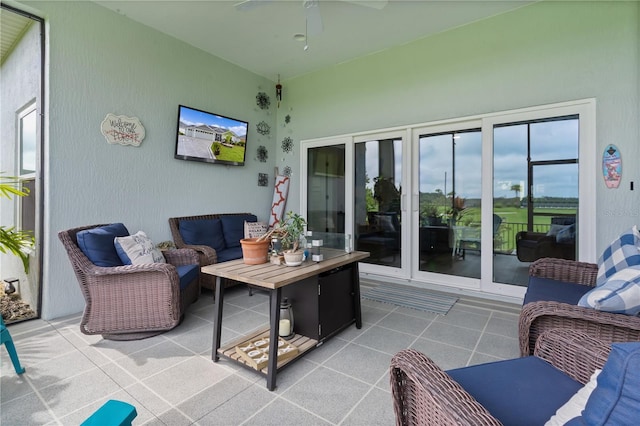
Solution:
(314, 25)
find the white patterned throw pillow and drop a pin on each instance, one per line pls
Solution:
(254, 229)
(619, 294)
(137, 249)
(623, 252)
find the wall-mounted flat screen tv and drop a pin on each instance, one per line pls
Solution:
(211, 138)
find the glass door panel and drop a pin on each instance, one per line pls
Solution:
(535, 194)
(377, 209)
(326, 189)
(449, 203)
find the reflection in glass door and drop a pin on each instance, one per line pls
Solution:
(326, 189)
(449, 202)
(535, 193)
(377, 210)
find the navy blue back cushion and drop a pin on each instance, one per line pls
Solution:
(521, 391)
(202, 232)
(97, 244)
(187, 274)
(229, 254)
(545, 289)
(233, 227)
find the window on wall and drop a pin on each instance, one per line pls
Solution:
(27, 140)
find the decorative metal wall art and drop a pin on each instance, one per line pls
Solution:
(287, 119)
(287, 144)
(262, 100)
(286, 171)
(262, 154)
(263, 179)
(263, 128)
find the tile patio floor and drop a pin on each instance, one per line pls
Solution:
(171, 380)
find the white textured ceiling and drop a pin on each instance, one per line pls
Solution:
(259, 37)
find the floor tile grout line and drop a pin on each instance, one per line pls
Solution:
(137, 380)
(240, 377)
(44, 402)
(473, 352)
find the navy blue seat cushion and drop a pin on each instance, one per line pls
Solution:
(205, 232)
(616, 398)
(521, 391)
(187, 273)
(546, 289)
(229, 254)
(98, 244)
(233, 227)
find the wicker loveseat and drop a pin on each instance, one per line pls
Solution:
(216, 238)
(555, 286)
(531, 246)
(521, 391)
(128, 302)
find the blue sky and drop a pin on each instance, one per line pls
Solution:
(195, 117)
(549, 141)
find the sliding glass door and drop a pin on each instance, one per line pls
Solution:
(378, 189)
(450, 192)
(467, 204)
(535, 194)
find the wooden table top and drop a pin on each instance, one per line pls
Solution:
(270, 276)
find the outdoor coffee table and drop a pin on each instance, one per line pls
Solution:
(327, 295)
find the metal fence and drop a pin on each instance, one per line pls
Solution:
(505, 240)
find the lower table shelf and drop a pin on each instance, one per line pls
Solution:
(302, 343)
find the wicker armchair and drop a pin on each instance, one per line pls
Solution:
(538, 317)
(131, 301)
(423, 394)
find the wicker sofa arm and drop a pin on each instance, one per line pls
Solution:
(141, 294)
(424, 394)
(207, 255)
(538, 317)
(570, 271)
(575, 353)
(179, 257)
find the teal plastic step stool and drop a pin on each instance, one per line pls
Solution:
(112, 413)
(7, 341)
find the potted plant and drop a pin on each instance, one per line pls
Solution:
(290, 232)
(12, 240)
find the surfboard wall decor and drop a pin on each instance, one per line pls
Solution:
(612, 166)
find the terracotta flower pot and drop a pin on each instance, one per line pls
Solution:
(255, 252)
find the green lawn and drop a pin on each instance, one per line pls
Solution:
(513, 215)
(235, 153)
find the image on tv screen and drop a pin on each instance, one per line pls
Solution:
(212, 138)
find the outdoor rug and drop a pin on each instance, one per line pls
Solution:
(409, 297)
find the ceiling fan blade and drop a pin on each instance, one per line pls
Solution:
(314, 18)
(375, 4)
